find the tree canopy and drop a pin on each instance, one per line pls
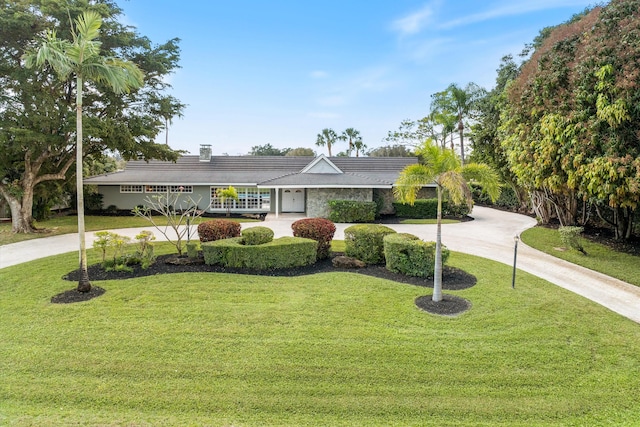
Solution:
(571, 123)
(37, 108)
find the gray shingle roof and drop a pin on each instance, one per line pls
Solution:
(267, 171)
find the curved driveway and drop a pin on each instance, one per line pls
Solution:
(490, 235)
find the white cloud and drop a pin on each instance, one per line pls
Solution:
(512, 9)
(319, 74)
(415, 22)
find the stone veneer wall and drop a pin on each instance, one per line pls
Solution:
(318, 198)
(386, 195)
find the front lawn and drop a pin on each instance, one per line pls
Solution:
(335, 349)
(599, 257)
(69, 224)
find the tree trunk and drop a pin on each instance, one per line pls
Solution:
(83, 284)
(19, 222)
(437, 271)
(623, 222)
(461, 131)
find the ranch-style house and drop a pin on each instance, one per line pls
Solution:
(265, 184)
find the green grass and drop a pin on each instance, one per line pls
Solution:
(336, 349)
(599, 257)
(427, 221)
(69, 224)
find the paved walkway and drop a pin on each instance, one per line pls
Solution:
(490, 235)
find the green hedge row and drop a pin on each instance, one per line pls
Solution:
(284, 252)
(365, 242)
(428, 208)
(407, 254)
(352, 211)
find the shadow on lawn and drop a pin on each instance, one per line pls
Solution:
(452, 278)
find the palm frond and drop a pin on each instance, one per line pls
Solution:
(456, 187)
(485, 176)
(410, 181)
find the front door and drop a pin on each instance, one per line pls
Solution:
(293, 200)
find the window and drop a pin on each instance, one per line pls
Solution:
(155, 189)
(252, 199)
(131, 188)
(181, 189)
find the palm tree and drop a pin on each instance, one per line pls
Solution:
(81, 58)
(458, 101)
(359, 146)
(444, 168)
(352, 136)
(328, 137)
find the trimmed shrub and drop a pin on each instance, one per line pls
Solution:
(217, 229)
(422, 208)
(284, 252)
(457, 211)
(407, 254)
(193, 249)
(508, 198)
(365, 242)
(352, 211)
(571, 238)
(428, 209)
(318, 229)
(257, 235)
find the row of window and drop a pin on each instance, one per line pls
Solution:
(156, 188)
(248, 198)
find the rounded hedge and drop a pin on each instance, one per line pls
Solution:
(407, 254)
(365, 242)
(217, 229)
(257, 235)
(318, 229)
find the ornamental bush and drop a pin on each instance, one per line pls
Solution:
(318, 229)
(428, 209)
(217, 229)
(284, 252)
(257, 235)
(571, 237)
(352, 211)
(365, 242)
(407, 254)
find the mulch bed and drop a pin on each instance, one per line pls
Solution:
(452, 278)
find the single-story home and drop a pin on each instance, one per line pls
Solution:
(268, 184)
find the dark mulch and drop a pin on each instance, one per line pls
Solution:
(450, 305)
(452, 278)
(72, 295)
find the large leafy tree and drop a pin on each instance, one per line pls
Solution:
(486, 137)
(37, 107)
(444, 168)
(268, 150)
(81, 58)
(328, 138)
(458, 101)
(391, 151)
(572, 123)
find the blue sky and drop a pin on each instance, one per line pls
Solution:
(279, 71)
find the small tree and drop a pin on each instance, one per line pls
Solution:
(225, 195)
(165, 205)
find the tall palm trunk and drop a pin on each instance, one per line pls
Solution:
(437, 271)
(83, 284)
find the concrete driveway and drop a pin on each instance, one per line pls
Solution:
(490, 235)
